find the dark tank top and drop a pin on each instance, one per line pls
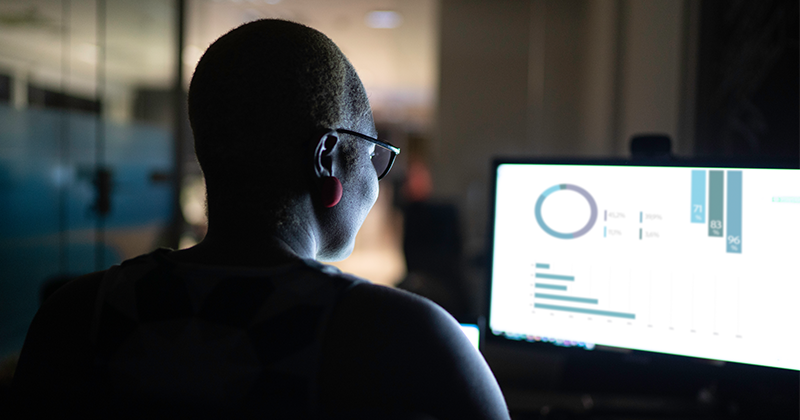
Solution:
(192, 341)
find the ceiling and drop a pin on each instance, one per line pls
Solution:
(397, 66)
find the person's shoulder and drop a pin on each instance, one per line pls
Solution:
(75, 292)
(55, 360)
(397, 307)
(66, 314)
(394, 350)
(395, 324)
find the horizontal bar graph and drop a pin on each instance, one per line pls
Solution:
(542, 265)
(566, 298)
(550, 286)
(584, 311)
(544, 295)
(554, 277)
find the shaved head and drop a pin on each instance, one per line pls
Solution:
(258, 96)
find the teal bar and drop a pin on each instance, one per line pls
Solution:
(542, 265)
(584, 311)
(554, 277)
(640, 217)
(567, 298)
(715, 185)
(550, 286)
(698, 196)
(640, 233)
(734, 226)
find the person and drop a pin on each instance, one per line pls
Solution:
(248, 323)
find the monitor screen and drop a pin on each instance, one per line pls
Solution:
(692, 261)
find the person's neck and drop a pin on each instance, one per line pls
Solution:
(251, 245)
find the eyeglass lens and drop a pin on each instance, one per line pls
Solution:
(381, 158)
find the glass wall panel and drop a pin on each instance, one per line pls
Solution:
(85, 148)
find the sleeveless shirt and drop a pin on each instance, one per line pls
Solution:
(191, 341)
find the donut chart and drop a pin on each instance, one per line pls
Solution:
(561, 235)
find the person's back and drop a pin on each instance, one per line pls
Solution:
(202, 341)
(247, 323)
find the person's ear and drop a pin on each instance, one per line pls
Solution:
(323, 155)
(329, 187)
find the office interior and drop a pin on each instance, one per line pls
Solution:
(97, 165)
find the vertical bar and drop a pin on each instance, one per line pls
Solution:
(640, 217)
(640, 233)
(605, 215)
(715, 185)
(698, 196)
(734, 207)
(604, 231)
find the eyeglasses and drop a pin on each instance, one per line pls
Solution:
(383, 156)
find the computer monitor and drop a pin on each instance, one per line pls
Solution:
(690, 259)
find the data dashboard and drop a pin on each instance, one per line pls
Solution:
(693, 261)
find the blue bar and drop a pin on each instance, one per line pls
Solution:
(698, 196)
(584, 311)
(567, 298)
(640, 217)
(604, 231)
(542, 265)
(734, 205)
(554, 277)
(550, 286)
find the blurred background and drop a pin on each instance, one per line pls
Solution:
(96, 158)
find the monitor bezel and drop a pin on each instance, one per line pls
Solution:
(643, 363)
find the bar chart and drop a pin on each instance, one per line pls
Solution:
(721, 201)
(543, 300)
